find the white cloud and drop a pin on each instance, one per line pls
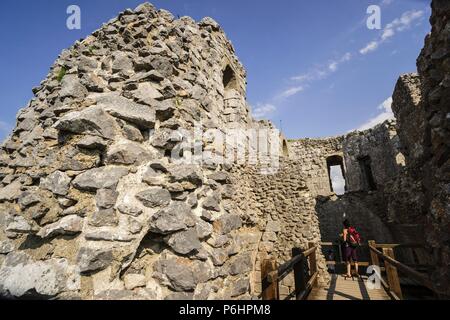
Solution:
(333, 66)
(398, 25)
(323, 71)
(386, 113)
(387, 33)
(290, 92)
(370, 47)
(301, 82)
(263, 110)
(386, 105)
(346, 57)
(311, 75)
(386, 2)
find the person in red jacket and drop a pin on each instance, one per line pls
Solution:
(351, 243)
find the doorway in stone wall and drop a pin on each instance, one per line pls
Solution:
(336, 174)
(229, 79)
(368, 181)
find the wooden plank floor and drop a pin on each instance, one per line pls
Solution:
(347, 289)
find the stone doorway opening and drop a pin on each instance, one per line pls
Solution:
(368, 181)
(229, 79)
(336, 174)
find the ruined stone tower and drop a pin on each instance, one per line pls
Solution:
(93, 204)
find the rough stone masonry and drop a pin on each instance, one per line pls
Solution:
(92, 205)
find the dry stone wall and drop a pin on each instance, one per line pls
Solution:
(409, 162)
(92, 204)
(311, 155)
(365, 209)
(381, 146)
(428, 106)
(283, 209)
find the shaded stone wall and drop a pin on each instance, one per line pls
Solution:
(312, 155)
(282, 207)
(363, 210)
(428, 107)
(366, 210)
(381, 144)
(412, 160)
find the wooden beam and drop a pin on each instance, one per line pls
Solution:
(399, 245)
(332, 244)
(413, 274)
(390, 293)
(269, 280)
(392, 273)
(360, 263)
(288, 267)
(313, 261)
(311, 283)
(381, 245)
(299, 273)
(310, 251)
(373, 256)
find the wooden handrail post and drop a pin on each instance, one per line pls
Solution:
(299, 274)
(392, 273)
(339, 250)
(373, 256)
(269, 280)
(313, 262)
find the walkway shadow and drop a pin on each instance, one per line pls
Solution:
(363, 290)
(332, 288)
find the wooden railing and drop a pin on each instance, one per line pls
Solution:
(304, 266)
(340, 259)
(392, 266)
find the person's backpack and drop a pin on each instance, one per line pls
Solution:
(354, 237)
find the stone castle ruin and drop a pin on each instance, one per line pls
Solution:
(93, 205)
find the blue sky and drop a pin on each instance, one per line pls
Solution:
(314, 68)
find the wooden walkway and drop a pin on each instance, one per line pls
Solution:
(304, 266)
(347, 289)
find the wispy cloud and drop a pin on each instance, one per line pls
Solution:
(398, 25)
(303, 81)
(322, 71)
(371, 46)
(386, 2)
(386, 113)
(299, 83)
(290, 92)
(262, 110)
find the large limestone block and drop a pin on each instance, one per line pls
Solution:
(58, 183)
(125, 109)
(177, 216)
(66, 226)
(99, 178)
(128, 153)
(154, 197)
(93, 120)
(20, 275)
